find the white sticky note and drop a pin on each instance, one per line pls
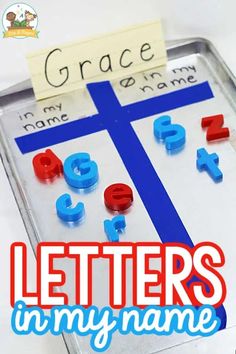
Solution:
(68, 67)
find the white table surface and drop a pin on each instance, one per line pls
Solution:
(61, 21)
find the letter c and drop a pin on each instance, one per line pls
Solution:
(65, 210)
(121, 59)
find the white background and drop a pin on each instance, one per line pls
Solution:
(61, 21)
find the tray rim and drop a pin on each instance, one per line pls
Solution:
(197, 45)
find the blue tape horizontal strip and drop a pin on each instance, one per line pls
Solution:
(59, 134)
(169, 101)
(93, 124)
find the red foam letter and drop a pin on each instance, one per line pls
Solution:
(215, 130)
(118, 196)
(47, 165)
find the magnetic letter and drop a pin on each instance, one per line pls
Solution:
(88, 171)
(118, 196)
(47, 165)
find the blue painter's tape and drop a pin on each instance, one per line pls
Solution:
(59, 134)
(167, 102)
(134, 111)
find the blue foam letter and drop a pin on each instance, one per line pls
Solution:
(66, 212)
(209, 162)
(172, 134)
(87, 170)
(113, 227)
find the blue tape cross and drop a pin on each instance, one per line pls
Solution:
(116, 119)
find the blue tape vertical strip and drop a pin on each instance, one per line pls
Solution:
(149, 186)
(145, 178)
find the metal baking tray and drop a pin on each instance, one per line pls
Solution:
(207, 210)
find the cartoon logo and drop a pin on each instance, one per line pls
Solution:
(20, 21)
